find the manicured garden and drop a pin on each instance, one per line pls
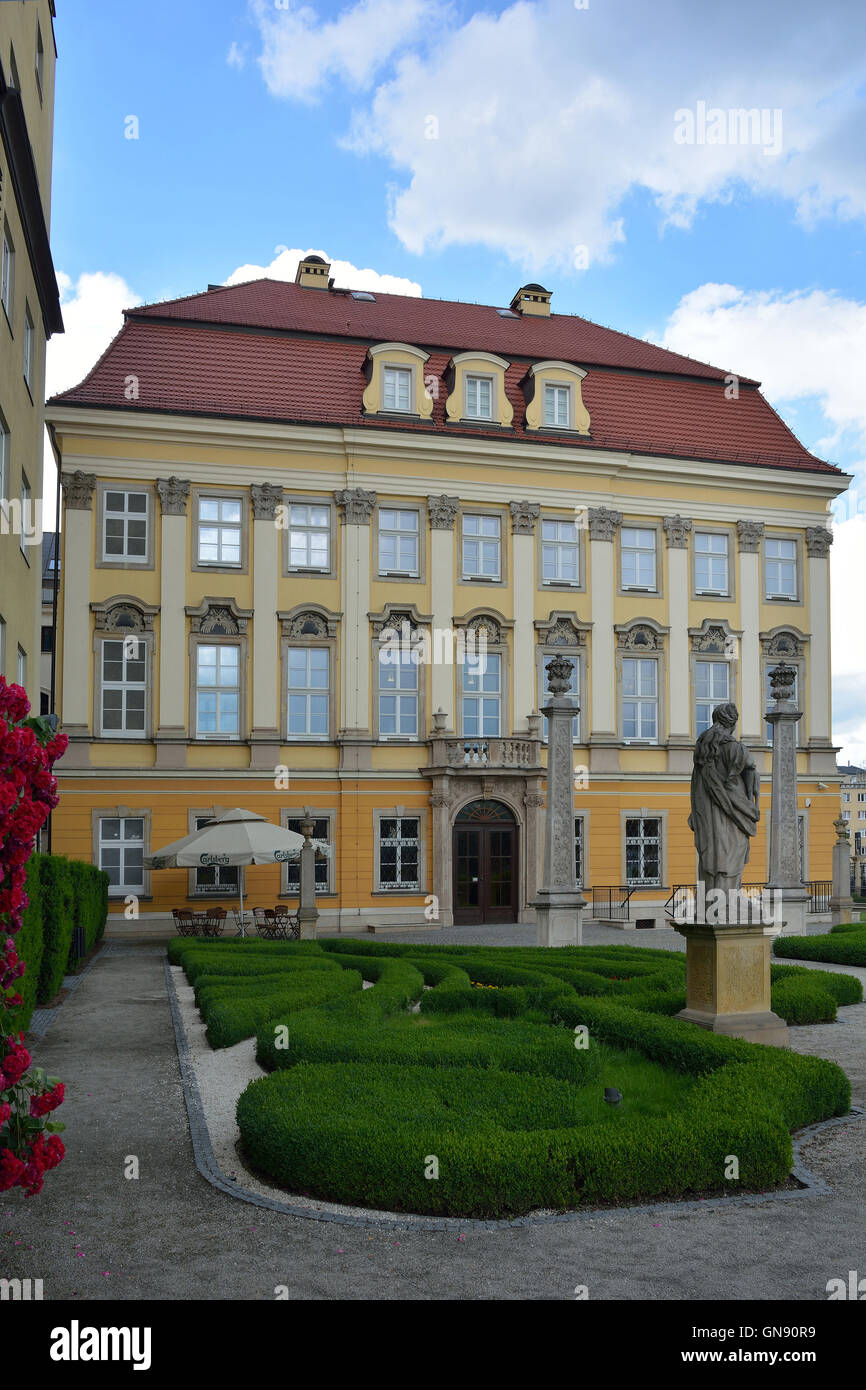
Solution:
(483, 1094)
(844, 945)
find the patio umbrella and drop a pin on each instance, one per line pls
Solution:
(235, 838)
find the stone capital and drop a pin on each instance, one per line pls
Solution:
(442, 512)
(523, 517)
(677, 530)
(603, 523)
(173, 493)
(266, 497)
(78, 490)
(818, 542)
(749, 534)
(356, 505)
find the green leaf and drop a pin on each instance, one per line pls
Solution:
(55, 1127)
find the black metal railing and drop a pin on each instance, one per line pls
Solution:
(682, 903)
(820, 893)
(611, 901)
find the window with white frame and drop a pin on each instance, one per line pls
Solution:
(218, 690)
(399, 844)
(398, 541)
(220, 530)
(29, 344)
(27, 518)
(573, 689)
(479, 398)
(770, 698)
(397, 388)
(215, 878)
(482, 696)
(780, 566)
(7, 272)
(309, 692)
(321, 831)
(481, 546)
(712, 687)
(557, 406)
(309, 536)
(640, 702)
(578, 850)
(643, 851)
(398, 694)
(638, 557)
(121, 853)
(560, 552)
(22, 667)
(124, 686)
(124, 525)
(861, 796)
(711, 563)
(5, 452)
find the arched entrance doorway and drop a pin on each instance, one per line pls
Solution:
(484, 855)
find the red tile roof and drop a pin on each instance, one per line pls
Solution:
(270, 350)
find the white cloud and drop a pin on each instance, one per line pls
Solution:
(300, 53)
(345, 275)
(547, 119)
(236, 57)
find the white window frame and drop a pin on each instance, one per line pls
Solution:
(21, 667)
(307, 530)
(638, 549)
(220, 526)
(123, 888)
(26, 513)
(291, 878)
(711, 700)
(710, 590)
(558, 545)
(640, 700)
(223, 735)
(769, 667)
(472, 383)
(775, 594)
(125, 685)
(397, 842)
(400, 533)
(643, 841)
(308, 692)
(392, 375)
(125, 517)
(555, 392)
(480, 539)
(405, 689)
(7, 272)
(574, 688)
(479, 697)
(29, 345)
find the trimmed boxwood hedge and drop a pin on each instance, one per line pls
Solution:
(28, 944)
(365, 1092)
(842, 948)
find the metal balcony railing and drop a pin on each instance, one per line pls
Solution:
(610, 901)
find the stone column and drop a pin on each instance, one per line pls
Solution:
(523, 518)
(603, 738)
(442, 512)
(749, 534)
(784, 876)
(559, 902)
(841, 903)
(308, 913)
(442, 859)
(818, 542)
(356, 508)
(265, 732)
(171, 734)
(677, 530)
(75, 701)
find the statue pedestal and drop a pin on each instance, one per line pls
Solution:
(728, 982)
(557, 918)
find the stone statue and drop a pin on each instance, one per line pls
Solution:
(725, 796)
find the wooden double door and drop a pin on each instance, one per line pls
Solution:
(484, 856)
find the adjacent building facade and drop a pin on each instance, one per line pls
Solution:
(853, 794)
(318, 546)
(29, 314)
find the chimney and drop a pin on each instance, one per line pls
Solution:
(312, 273)
(532, 299)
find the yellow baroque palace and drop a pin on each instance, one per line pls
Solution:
(263, 484)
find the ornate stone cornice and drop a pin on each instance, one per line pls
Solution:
(173, 493)
(123, 614)
(715, 636)
(523, 517)
(78, 490)
(677, 530)
(641, 635)
(393, 615)
(561, 629)
(442, 512)
(219, 616)
(356, 505)
(266, 498)
(603, 523)
(309, 621)
(749, 534)
(818, 541)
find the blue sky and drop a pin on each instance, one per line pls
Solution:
(265, 124)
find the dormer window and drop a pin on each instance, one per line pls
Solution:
(557, 406)
(397, 394)
(476, 389)
(479, 397)
(554, 399)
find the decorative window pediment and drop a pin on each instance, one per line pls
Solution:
(396, 382)
(394, 615)
(713, 638)
(642, 635)
(562, 629)
(476, 390)
(219, 617)
(124, 614)
(310, 621)
(554, 397)
(783, 643)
